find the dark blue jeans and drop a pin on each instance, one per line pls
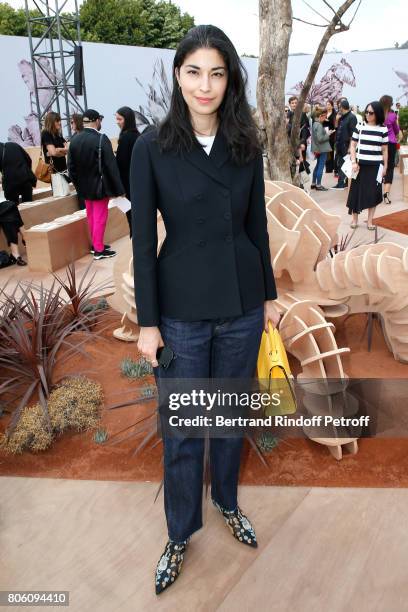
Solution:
(318, 171)
(219, 348)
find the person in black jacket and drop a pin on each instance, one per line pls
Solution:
(17, 177)
(93, 170)
(125, 118)
(345, 128)
(210, 292)
(330, 125)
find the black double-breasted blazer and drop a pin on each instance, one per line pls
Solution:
(215, 260)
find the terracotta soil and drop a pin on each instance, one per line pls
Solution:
(298, 462)
(397, 222)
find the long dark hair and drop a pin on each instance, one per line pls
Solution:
(378, 112)
(50, 120)
(77, 121)
(235, 119)
(129, 116)
(386, 103)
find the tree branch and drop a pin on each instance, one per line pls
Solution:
(334, 27)
(317, 12)
(330, 7)
(355, 13)
(318, 25)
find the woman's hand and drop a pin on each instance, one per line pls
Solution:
(149, 341)
(271, 314)
(355, 167)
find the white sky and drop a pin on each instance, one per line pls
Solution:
(379, 23)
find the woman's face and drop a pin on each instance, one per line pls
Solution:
(370, 115)
(329, 107)
(203, 79)
(323, 117)
(57, 125)
(120, 121)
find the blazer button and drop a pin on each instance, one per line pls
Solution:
(225, 193)
(227, 216)
(228, 238)
(202, 243)
(199, 196)
(200, 220)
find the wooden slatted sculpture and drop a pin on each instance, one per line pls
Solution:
(314, 288)
(123, 300)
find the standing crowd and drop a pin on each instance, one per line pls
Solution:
(87, 160)
(355, 147)
(331, 132)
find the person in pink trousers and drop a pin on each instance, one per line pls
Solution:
(93, 169)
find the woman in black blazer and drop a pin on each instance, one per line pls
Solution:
(209, 294)
(125, 118)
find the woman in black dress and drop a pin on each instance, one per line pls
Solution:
(210, 293)
(330, 124)
(369, 156)
(53, 143)
(125, 118)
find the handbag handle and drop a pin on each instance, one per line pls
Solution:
(289, 382)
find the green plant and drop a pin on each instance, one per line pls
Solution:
(266, 442)
(148, 391)
(101, 304)
(75, 404)
(100, 436)
(403, 118)
(135, 369)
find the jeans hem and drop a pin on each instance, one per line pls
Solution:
(185, 537)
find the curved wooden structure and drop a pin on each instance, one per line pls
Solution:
(315, 287)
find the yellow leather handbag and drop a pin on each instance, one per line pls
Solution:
(274, 374)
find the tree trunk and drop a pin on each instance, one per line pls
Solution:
(275, 29)
(334, 27)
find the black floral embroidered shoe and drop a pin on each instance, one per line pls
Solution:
(169, 565)
(239, 525)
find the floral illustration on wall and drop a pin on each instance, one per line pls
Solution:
(331, 85)
(158, 94)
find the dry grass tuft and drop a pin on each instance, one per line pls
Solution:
(75, 404)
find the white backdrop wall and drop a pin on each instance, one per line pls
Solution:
(118, 75)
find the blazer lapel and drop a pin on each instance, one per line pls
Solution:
(211, 164)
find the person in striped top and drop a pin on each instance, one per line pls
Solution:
(368, 151)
